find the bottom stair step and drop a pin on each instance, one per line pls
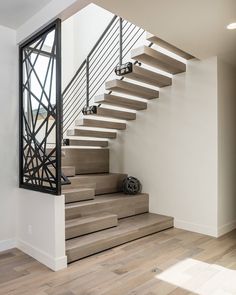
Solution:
(78, 194)
(89, 224)
(128, 229)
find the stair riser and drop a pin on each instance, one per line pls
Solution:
(87, 160)
(91, 227)
(81, 252)
(122, 208)
(102, 184)
(68, 171)
(79, 196)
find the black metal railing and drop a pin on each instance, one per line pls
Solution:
(112, 47)
(41, 111)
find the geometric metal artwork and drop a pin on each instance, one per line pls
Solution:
(40, 111)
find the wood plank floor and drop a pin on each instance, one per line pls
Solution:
(172, 262)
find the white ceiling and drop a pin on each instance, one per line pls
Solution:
(196, 26)
(13, 13)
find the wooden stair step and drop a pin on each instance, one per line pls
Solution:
(157, 59)
(154, 39)
(89, 224)
(120, 204)
(128, 229)
(112, 113)
(104, 183)
(91, 133)
(87, 160)
(87, 142)
(68, 170)
(99, 123)
(141, 74)
(121, 102)
(78, 194)
(122, 86)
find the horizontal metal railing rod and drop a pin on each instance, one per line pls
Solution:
(75, 84)
(110, 49)
(103, 34)
(69, 99)
(74, 77)
(101, 45)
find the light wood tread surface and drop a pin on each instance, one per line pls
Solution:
(100, 123)
(112, 113)
(91, 133)
(158, 41)
(128, 229)
(121, 101)
(125, 87)
(141, 74)
(157, 59)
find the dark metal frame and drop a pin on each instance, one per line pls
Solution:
(56, 190)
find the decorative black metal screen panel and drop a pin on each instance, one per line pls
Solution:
(40, 111)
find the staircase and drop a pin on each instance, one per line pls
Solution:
(98, 215)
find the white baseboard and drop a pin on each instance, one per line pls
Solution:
(53, 263)
(7, 244)
(226, 228)
(194, 227)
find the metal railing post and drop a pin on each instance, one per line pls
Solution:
(121, 42)
(87, 81)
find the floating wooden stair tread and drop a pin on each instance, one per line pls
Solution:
(91, 133)
(120, 204)
(78, 194)
(128, 229)
(168, 46)
(100, 124)
(89, 224)
(111, 113)
(87, 142)
(121, 102)
(87, 160)
(157, 59)
(104, 183)
(141, 74)
(122, 86)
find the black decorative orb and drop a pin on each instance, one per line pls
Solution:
(131, 185)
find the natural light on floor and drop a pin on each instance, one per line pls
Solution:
(201, 278)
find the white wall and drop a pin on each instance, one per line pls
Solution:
(79, 34)
(226, 147)
(172, 149)
(41, 227)
(9, 137)
(20, 208)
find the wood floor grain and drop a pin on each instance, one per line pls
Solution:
(136, 268)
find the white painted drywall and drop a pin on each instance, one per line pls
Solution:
(20, 209)
(226, 147)
(9, 137)
(41, 227)
(80, 32)
(172, 149)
